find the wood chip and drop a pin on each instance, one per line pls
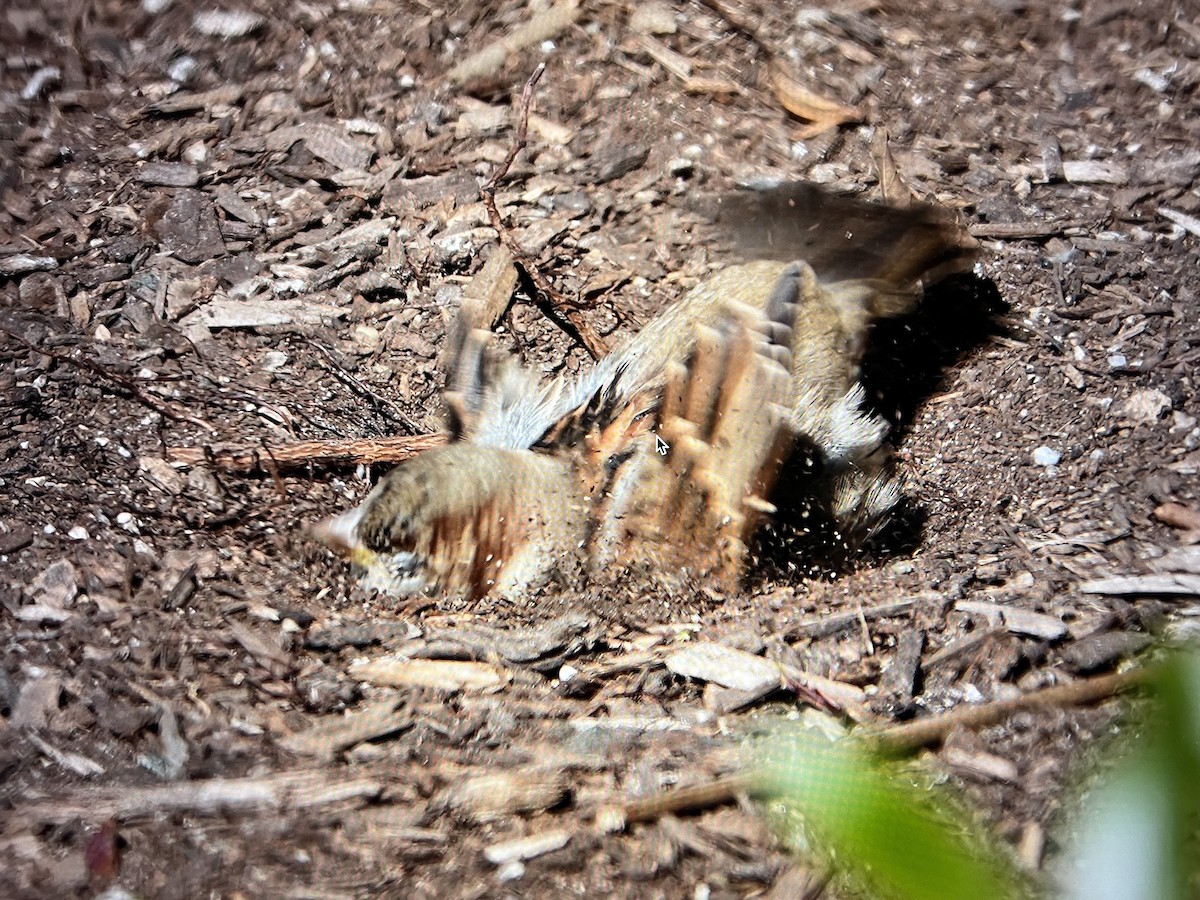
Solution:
(719, 87)
(529, 847)
(270, 656)
(279, 792)
(900, 673)
(443, 674)
(24, 263)
(803, 103)
(227, 23)
(550, 131)
(678, 65)
(984, 765)
(168, 174)
(1091, 171)
(847, 698)
(1031, 846)
(73, 762)
(540, 27)
(1179, 516)
(1016, 619)
(892, 188)
(1181, 559)
(226, 312)
(653, 17)
(1190, 224)
(1017, 231)
(184, 102)
(723, 665)
(486, 798)
(364, 451)
(831, 623)
(330, 736)
(487, 295)
(1187, 585)
(37, 701)
(1099, 651)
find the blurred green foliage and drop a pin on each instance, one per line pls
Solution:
(892, 833)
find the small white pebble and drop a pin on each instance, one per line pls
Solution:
(1116, 360)
(566, 673)
(78, 533)
(1046, 456)
(183, 69)
(511, 871)
(274, 360)
(195, 153)
(48, 529)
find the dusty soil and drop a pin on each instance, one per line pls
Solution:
(252, 231)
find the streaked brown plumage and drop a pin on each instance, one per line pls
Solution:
(567, 477)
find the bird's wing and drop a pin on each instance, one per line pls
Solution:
(692, 495)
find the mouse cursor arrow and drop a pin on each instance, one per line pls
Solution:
(661, 446)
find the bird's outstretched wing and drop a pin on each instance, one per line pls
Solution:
(689, 497)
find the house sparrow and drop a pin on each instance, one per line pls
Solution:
(662, 456)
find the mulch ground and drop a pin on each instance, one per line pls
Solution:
(237, 228)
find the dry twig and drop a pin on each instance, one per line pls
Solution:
(366, 451)
(912, 735)
(686, 799)
(561, 311)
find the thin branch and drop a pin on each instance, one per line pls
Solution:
(912, 735)
(367, 451)
(128, 385)
(686, 799)
(560, 310)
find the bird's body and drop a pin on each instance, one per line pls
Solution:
(571, 476)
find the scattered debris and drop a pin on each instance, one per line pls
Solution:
(328, 738)
(542, 26)
(526, 848)
(443, 674)
(823, 114)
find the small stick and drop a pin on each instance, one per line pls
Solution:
(377, 401)
(912, 735)
(560, 310)
(128, 385)
(686, 799)
(366, 451)
(823, 626)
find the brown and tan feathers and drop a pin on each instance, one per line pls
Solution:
(689, 499)
(466, 520)
(547, 477)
